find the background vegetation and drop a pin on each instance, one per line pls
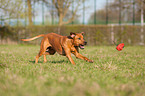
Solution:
(94, 34)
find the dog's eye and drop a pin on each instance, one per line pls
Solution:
(79, 38)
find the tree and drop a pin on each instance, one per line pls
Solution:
(30, 13)
(11, 9)
(62, 7)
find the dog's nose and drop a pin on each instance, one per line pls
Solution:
(85, 43)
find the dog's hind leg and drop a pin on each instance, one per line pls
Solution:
(44, 44)
(37, 57)
(50, 51)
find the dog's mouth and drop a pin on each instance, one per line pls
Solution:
(81, 46)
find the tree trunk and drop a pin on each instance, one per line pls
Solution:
(60, 19)
(30, 12)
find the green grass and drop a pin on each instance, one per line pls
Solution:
(113, 73)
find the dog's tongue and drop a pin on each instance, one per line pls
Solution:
(82, 47)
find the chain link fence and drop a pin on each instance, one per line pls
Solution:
(91, 12)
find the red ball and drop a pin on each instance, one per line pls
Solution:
(120, 46)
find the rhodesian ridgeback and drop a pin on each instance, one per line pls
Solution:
(64, 45)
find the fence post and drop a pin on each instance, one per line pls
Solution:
(52, 16)
(142, 24)
(106, 11)
(42, 13)
(112, 33)
(25, 13)
(34, 13)
(83, 12)
(95, 12)
(72, 10)
(120, 12)
(133, 12)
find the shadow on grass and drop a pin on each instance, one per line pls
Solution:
(34, 62)
(61, 61)
(3, 65)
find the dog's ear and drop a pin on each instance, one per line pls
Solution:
(82, 33)
(72, 35)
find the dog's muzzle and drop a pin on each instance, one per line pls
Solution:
(82, 45)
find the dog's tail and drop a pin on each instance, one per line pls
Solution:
(42, 35)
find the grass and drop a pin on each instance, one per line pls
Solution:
(113, 73)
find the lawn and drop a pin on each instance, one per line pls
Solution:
(113, 73)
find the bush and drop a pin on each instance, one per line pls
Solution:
(94, 34)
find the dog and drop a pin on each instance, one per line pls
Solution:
(64, 45)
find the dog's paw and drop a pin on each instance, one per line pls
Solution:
(91, 61)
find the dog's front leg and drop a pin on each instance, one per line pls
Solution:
(78, 55)
(68, 55)
(70, 59)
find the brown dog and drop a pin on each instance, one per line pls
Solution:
(64, 45)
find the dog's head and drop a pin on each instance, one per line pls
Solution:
(78, 39)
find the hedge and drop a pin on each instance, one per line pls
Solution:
(94, 34)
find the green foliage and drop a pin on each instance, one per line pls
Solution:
(12, 9)
(94, 34)
(113, 73)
